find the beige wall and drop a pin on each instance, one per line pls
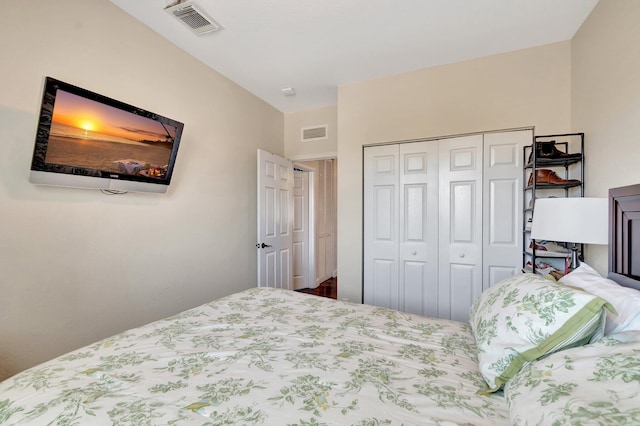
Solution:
(295, 149)
(605, 100)
(524, 88)
(77, 265)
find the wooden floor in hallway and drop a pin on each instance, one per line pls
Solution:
(328, 288)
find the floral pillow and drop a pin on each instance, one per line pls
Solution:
(526, 317)
(594, 384)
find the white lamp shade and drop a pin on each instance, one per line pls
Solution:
(572, 220)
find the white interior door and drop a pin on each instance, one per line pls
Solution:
(324, 226)
(275, 219)
(460, 266)
(301, 234)
(502, 204)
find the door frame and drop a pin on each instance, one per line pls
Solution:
(297, 162)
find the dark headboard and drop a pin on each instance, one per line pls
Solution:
(624, 235)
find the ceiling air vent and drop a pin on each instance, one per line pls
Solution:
(189, 14)
(314, 133)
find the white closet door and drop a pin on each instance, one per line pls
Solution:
(381, 206)
(442, 221)
(418, 248)
(502, 204)
(401, 227)
(460, 266)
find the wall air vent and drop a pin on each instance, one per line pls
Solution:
(314, 133)
(189, 14)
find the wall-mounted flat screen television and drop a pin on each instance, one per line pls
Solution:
(87, 140)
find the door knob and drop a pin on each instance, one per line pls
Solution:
(263, 245)
(414, 252)
(461, 254)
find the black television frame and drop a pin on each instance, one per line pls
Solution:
(78, 177)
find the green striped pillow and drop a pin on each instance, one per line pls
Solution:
(527, 317)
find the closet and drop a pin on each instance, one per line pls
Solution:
(442, 220)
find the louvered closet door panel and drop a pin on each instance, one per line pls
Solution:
(502, 204)
(418, 248)
(381, 226)
(460, 265)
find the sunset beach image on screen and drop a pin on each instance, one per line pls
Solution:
(92, 135)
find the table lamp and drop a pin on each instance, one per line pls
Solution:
(575, 220)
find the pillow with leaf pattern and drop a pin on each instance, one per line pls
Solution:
(594, 384)
(524, 318)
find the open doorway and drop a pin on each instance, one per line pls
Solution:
(315, 254)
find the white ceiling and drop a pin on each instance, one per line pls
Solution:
(317, 46)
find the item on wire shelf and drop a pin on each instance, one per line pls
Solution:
(548, 249)
(543, 268)
(548, 150)
(550, 246)
(549, 177)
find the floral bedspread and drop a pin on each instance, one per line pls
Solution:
(596, 384)
(265, 357)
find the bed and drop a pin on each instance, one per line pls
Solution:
(274, 357)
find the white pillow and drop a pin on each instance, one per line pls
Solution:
(524, 318)
(626, 301)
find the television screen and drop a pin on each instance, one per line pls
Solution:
(88, 140)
